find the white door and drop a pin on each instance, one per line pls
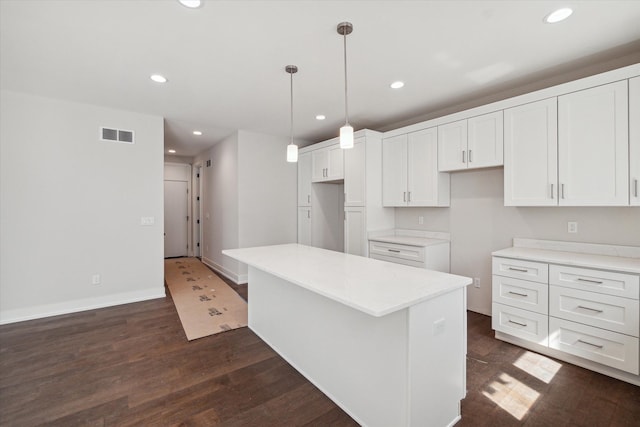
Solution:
(336, 163)
(175, 218)
(304, 179)
(354, 174)
(531, 154)
(452, 146)
(355, 242)
(634, 141)
(394, 171)
(485, 140)
(422, 168)
(304, 225)
(593, 146)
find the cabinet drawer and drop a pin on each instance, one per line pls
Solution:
(609, 348)
(520, 323)
(521, 293)
(519, 269)
(394, 250)
(604, 282)
(604, 311)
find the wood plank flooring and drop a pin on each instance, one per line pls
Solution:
(132, 365)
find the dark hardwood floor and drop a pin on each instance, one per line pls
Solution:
(132, 365)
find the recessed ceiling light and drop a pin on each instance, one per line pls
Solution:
(197, 132)
(397, 85)
(558, 15)
(158, 78)
(172, 151)
(192, 4)
(320, 117)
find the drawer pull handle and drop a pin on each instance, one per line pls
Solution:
(590, 309)
(394, 250)
(522, 270)
(599, 282)
(517, 323)
(518, 293)
(591, 344)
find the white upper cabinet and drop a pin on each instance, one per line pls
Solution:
(327, 164)
(530, 154)
(593, 146)
(410, 174)
(394, 171)
(471, 143)
(355, 174)
(634, 141)
(304, 179)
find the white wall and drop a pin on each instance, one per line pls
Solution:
(70, 207)
(249, 193)
(479, 223)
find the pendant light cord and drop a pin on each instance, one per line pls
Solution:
(291, 75)
(346, 103)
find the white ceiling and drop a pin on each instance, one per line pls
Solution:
(225, 60)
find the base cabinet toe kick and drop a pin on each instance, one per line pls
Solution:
(582, 308)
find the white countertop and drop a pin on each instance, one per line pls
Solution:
(374, 287)
(604, 262)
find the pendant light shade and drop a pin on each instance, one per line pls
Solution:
(346, 131)
(292, 149)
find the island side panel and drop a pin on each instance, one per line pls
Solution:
(357, 360)
(437, 359)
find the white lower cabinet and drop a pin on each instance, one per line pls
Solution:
(355, 230)
(591, 313)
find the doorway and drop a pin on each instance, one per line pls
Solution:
(177, 210)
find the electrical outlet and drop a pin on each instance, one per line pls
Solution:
(476, 282)
(147, 220)
(572, 227)
(420, 219)
(95, 279)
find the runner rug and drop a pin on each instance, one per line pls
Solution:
(205, 303)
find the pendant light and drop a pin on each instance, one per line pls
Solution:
(292, 149)
(346, 131)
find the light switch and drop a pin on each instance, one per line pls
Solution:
(147, 220)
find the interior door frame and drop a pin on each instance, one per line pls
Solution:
(196, 196)
(189, 175)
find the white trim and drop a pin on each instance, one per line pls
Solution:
(550, 92)
(48, 310)
(238, 279)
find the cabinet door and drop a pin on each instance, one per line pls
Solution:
(394, 171)
(304, 179)
(485, 140)
(320, 165)
(355, 242)
(336, 163)
(425, 185)
(593, 146)
(354, 174)
(531, 154)
(452, 146)
(304, 226)
(634, 141)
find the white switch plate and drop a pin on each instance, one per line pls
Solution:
(420, 219)
(147, 220)
(438, 326)
(95, 279)
(572, 227)
(476, 282)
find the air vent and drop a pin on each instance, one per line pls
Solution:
(116, 135)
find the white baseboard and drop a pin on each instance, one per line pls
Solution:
(238, 279)
(48, 310)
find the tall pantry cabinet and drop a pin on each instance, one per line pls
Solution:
(361, 205)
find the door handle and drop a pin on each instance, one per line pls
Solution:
(463, 159)
(470, 158)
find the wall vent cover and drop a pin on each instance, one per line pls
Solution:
(116, 135)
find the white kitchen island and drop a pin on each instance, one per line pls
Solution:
(386, 342)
